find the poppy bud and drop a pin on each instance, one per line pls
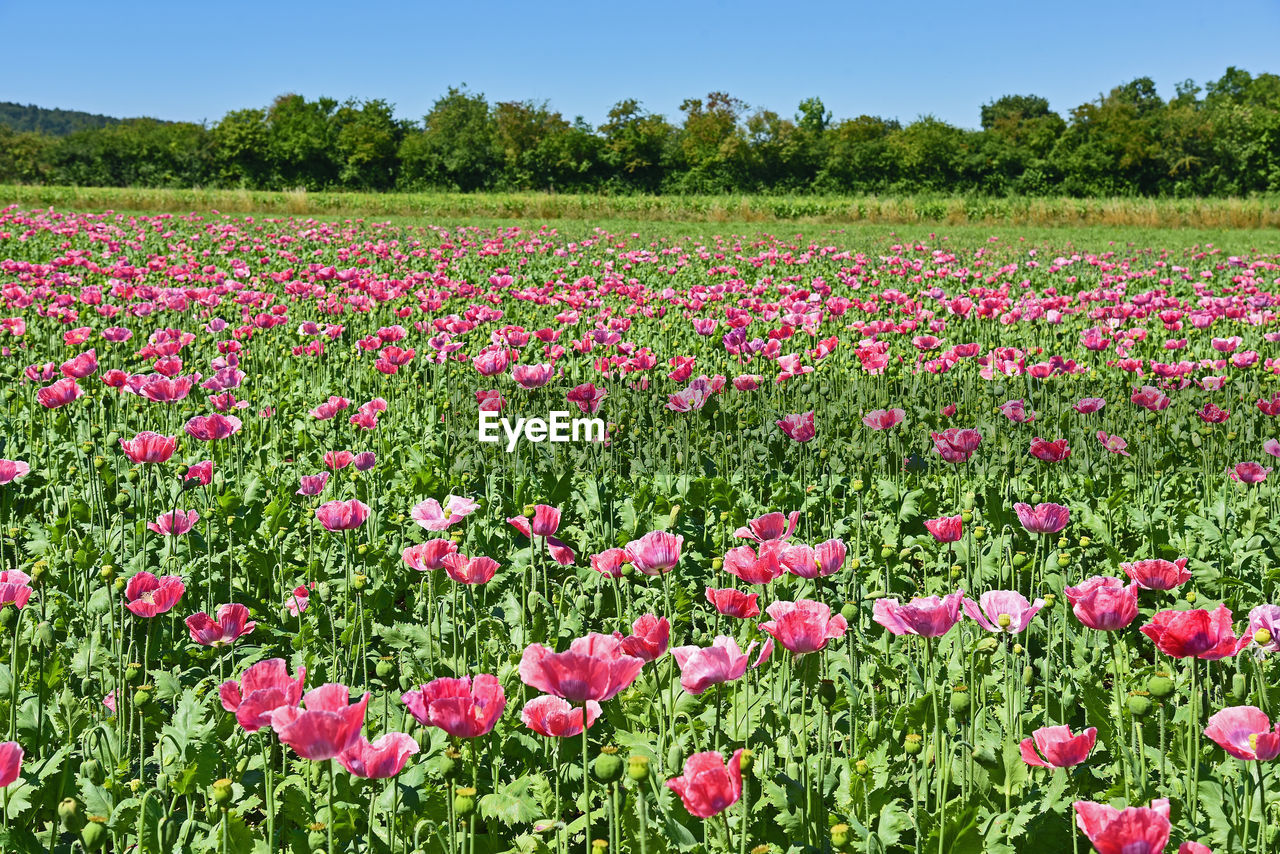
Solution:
(839, 836)
(960, 700)
(986, 646)
(142, 696)
(1160, 686)
(674, 757)
(608, 765)
(464, 801)
(358, 581)
(638, 767)
(849, 612)
(986, 757)
(1139, 705)
(221, 790)
(1036, 498)
(1239, 687)
(862, 768)
(122, 500)
(912, 744)
(827, 693)
(92, 770)
(1028, 675)
(94, 834)
(385, 667)
(44, 635)
(69, 815)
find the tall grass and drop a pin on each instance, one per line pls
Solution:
(1254, 212)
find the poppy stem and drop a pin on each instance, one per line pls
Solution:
(586, 786)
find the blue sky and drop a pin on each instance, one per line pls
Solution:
(195, 61)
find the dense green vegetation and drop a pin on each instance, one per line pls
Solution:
(1222, 139)
(28, 118)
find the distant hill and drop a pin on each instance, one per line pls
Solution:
(29, 117)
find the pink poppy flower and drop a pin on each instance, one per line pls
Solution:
(594, 667)
(59, 394)
(1249, 472)
(342, 515)
(231, 624)
(803, 626)
(946, 529)
(201, 473)
(757, 568)
(464, 708)
(210, 428)
(1114, 444)
(264, 687)
(1057, 747)
(15, 588)
(1264, 630)
(770, 526)
(1245, 732)
(1197, 633)
(649, 638)
(10, 762)
(328, 725)
(148, 447)
(723, 661)
(379, 759)
(1134, 830)
(312, 484)
(655, 553)
(1158, 574)
(798, 427)
(428, 556)
(1103, 603)
(148, 596)
(708, 787)
(557, 718)
(883, 419)
(927, 616)
(609, 562)
(1002, 611)
(431, 515)
(734, 603)
(1047, 518)
(174, 523)
(469, 570)
(11, 470)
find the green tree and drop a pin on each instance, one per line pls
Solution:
(302, 142)
(457, 148)
(240, 144)
(633, 145)
(367, 141)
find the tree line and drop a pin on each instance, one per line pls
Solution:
(1222, 139)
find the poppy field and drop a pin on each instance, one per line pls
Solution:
(891, 545)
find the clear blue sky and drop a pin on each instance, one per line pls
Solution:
(194, 61)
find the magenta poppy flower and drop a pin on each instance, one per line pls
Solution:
(1047, 518)
(148, 447)
(609, 562)
(1245, 732)
(594, 667)
(469, 570)
(587, 397)
(1050, 452)
(464, 708)
(956, 444)
(342, 515)
(649, 638)
(80, 366)
(428, 556)
(1197, 633)
(264, 687)
(334, 460)
(723, 661)
(734, 603)
(175, 523)
(15, 588)
(298, 600)
(312, 484)
(1114, 444)
(770, 526)
(201, 473)
(655, 553)
(328, 725)
(1158, 574)
(798, 427)
(1089, 405)
(1133, 830)
(1151, 398)
(803, 626)
(1249, 472)
(927, 616)
(11, 470)
(1264, 630)
(946, 529)
(59, 393)
(533, 376)
(364, 461)
(1016, 411)
(430, 514)
(148, 596)
(757, 568)
(10, 762)
(1057, 747)
(1002, 611)
(231, 624)
(708, 786)
(379, 759)
(559, 552)
(883, 419)
(210, 428)
(1103, 603)
(555, 717)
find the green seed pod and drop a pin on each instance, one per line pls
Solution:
(912, 744)
(599, 846)
(862, 768)
(986, 646)
(448, 763)
(385, 668)
(1019, 560)
(717, 564)
(961, 700)
(966, 516)
(638, 767)
(464, 801)
(827, 693)
(849, 611)
(986, 757)
(94, 834)
(858, 485)
(44, 635)
(839, 836)
(1160, 686)
(979, 532)
(1239, 687)
(92, 770)
(1028, 675)
(141, 697)
(1139, 704)
(358, 581)
(747, 760)
(221, 792)
(608, 765)
(69, 815)
(132, 672)
(1064, 559)
(1190, 596)
(886, 552)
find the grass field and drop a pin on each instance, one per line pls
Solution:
(1261, 212)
